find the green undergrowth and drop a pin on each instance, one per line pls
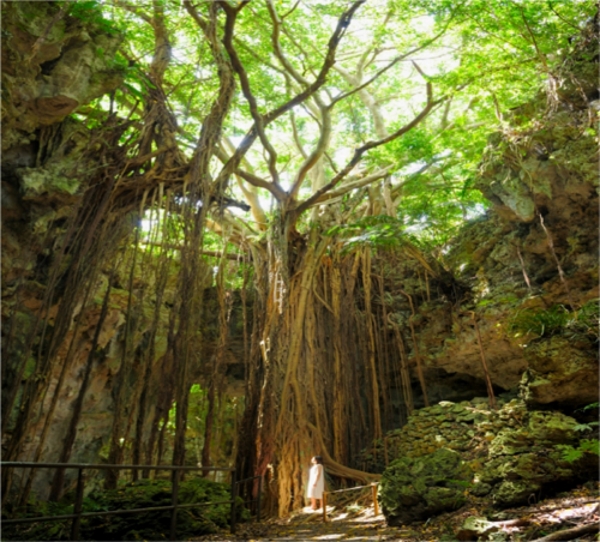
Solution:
(589, 445)
(151, 525)
(556, 320)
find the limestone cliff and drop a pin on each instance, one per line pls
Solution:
(534, 252)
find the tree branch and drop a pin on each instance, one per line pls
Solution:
(358, 153)
(358, 183)
(379, 73)
(248, 189)
(277, 191)
(213, 123)
(296, 136)
(325, 134)
(570, 534)
(252, 134)
(246, 90)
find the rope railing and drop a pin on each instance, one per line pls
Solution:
(174, 506)
(373, 487)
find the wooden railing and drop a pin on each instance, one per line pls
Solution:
(174, 506)
(373, 487)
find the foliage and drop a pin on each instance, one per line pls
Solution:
(555, 320)
(91, 12)
(476, 46)
(539, 322)
(585, 446)
(228, 411)
(380, 231)
(151, 525)
(574, 453)
(591, 406)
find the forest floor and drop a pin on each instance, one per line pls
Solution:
(573, 515)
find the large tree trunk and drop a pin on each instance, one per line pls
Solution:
(308, 383)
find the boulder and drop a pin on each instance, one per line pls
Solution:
(527, 461)
(414, 489)
(562, 370)
(475, 528)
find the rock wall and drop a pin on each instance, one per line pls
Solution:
(535, 249)
(52, 63)
(50, 66)
(510, 455)
(57, 58)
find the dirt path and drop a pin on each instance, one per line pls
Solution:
(576, 508)
(309, 526)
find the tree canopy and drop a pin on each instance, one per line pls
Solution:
(346, 109)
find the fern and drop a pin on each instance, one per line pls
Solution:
(572, 453)
(589, 407)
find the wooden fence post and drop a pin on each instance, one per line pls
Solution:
(234, 489)
(174, 501)
(78, 505)
(375, 503)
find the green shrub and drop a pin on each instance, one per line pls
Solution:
(151, 525)
(586, 445)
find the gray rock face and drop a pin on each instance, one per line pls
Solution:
(51, 64)
(416, 489)
(561, 370)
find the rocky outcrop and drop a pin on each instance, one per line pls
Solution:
(536, 248)
(54, 59)
(416, 489)
(561, 370)
(466, 427)
(528, 461)
(513, 454)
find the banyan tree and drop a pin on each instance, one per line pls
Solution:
(157, 149)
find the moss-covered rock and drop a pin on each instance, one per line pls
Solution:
(526, 461)
(561, 370)
(416, 489)
(515, 455)
(53, 62)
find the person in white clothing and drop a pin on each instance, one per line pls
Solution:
(316, 482)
